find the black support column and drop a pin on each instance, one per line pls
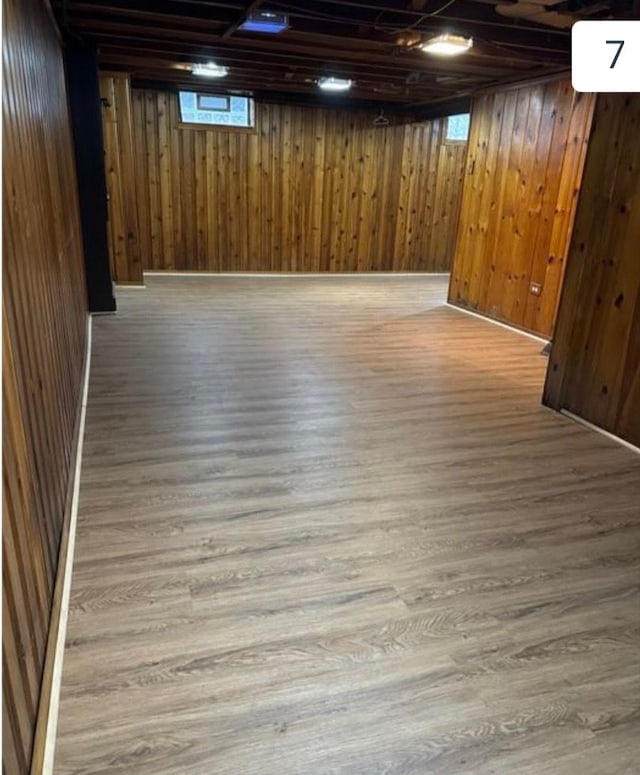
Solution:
(86, 119)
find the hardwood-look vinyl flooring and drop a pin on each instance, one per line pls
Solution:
(326, 528)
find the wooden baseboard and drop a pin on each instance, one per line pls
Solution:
(501, 323)
(46, 723)
(618, 439)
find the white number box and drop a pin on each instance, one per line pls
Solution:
(605, 56)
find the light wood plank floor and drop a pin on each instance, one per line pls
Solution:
(327, 528)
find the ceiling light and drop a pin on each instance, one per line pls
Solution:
(447, 45)
(210, 70)
(335, 84)
(265, 21)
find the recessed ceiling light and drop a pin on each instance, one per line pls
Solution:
(335, 84)
(265, 21)
(210, 70)
(447, 45)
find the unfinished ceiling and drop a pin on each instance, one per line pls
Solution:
(374, 43)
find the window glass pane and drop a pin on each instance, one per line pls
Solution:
(211, 102)
(458, 127)
(215, 110)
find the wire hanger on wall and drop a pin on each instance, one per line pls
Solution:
(381, 119)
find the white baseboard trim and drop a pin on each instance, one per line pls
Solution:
(156, 273)
(127, 287)
(601, 431)
(498, 323)
(56, 679)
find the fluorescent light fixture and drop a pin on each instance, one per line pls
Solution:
(210, 70)
(265, 21)
(335, 84)
(447, 45)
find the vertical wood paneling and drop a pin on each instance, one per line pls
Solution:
(309, 191)
(594, 367)
(44, 323)
(526, 154)
(124, 247)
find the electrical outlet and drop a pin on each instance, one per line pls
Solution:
(536, 289)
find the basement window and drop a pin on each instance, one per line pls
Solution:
(215, 110)
(458, 128)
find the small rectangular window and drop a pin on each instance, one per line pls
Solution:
(215, 109)
(211, 102)
(458, 127)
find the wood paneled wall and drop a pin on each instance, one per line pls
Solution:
(523, 171)
(310, 190)
(44, 325)
(594, 367)
(124, 247)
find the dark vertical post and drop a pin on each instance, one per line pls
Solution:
(86, 119)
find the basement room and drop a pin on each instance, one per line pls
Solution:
(321, 387)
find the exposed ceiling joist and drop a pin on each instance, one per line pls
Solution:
(372, 42)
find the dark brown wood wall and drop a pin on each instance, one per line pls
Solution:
(124, 231)
(523, 171)
(594, 367)
(44, 329)
(310, 190)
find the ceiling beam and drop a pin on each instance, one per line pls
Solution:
(140, 63)
(373, 42)
(299, 97)
(305, 50)
(491, 30)
(393, 68)
(441, 108)
(504, 53)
